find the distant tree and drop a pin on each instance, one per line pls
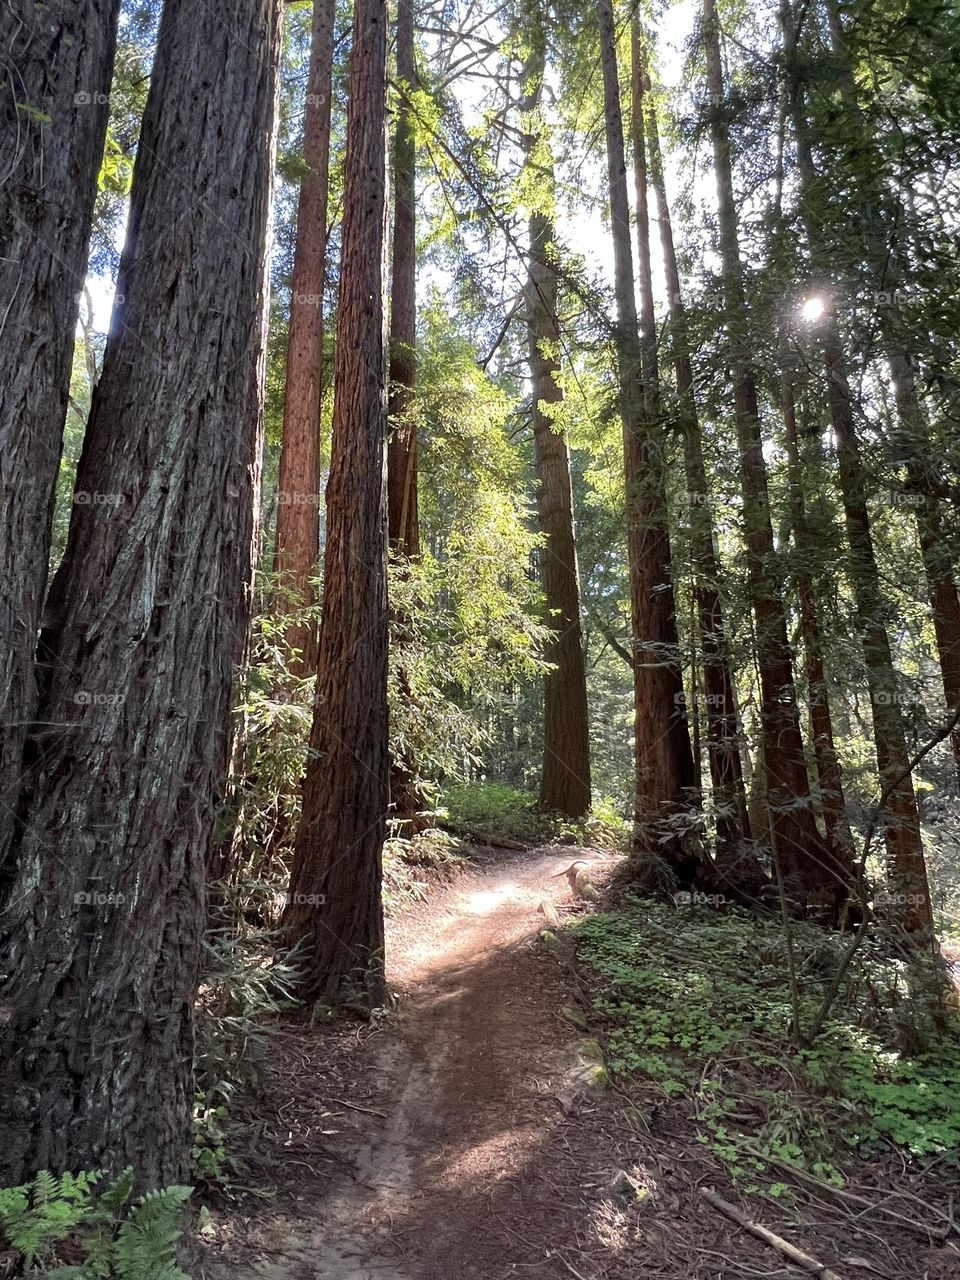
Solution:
(565, 777)
(902, 827)
(403, 513)
(335, 911)
(807, 865)
(298, 506)
(723, 733)
(664, 761)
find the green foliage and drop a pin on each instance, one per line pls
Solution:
(406, 860)
(497, 810)
(698, 1001)
(243, 989)
(82, 1215)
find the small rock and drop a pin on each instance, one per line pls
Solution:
(575, 1016)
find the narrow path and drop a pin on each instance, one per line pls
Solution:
(478, 1168)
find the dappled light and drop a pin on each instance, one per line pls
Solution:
(479, 640)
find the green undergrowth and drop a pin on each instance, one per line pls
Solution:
(698, 1001)
(409, 866)
(503, 812)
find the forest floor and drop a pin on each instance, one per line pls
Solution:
(466, 1134)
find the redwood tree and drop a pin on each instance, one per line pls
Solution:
(723, 734)
(53, 118)
(807, 865)
(403, 516)
(298, 506)
(902, 820)
(664, 761)
(147, 614)
(335, 910)
(565, 779)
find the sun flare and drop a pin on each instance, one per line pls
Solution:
(812, 308)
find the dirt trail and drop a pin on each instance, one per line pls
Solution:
(477, 1168)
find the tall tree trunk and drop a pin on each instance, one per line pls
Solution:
(147, 615)
(723, 732)
(402, 488)
(53, 118)
(907, 868)
(664, 761)
(565, 780)
(298, 496)
(939, 558)
(938, 555)
(403, 512)
(335, 909)
(829, 775)
(807, 865)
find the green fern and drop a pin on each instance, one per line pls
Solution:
(144, 1249)
(36, 1217)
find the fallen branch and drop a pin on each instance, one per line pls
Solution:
(769, 1237)
(353, 1106)
(482, 837)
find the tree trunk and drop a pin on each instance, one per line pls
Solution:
(805, 862)
(723, 731)
(936, 551)
(146, 617)
(829, 776)
(335, 909)
(904, 842)
(53, 118)
(298, 496)
(403, 514)
(664, 762)
(565, 781)
(403, 511)
(907, 869)
(939, 559)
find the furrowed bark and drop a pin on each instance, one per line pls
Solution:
(664, 761)
(53, 119)
(335, 910)
(148, 613)
(565, 780)
(298, 498)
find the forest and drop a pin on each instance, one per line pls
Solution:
(480, 639)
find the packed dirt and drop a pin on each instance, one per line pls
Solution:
(471, 1134)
